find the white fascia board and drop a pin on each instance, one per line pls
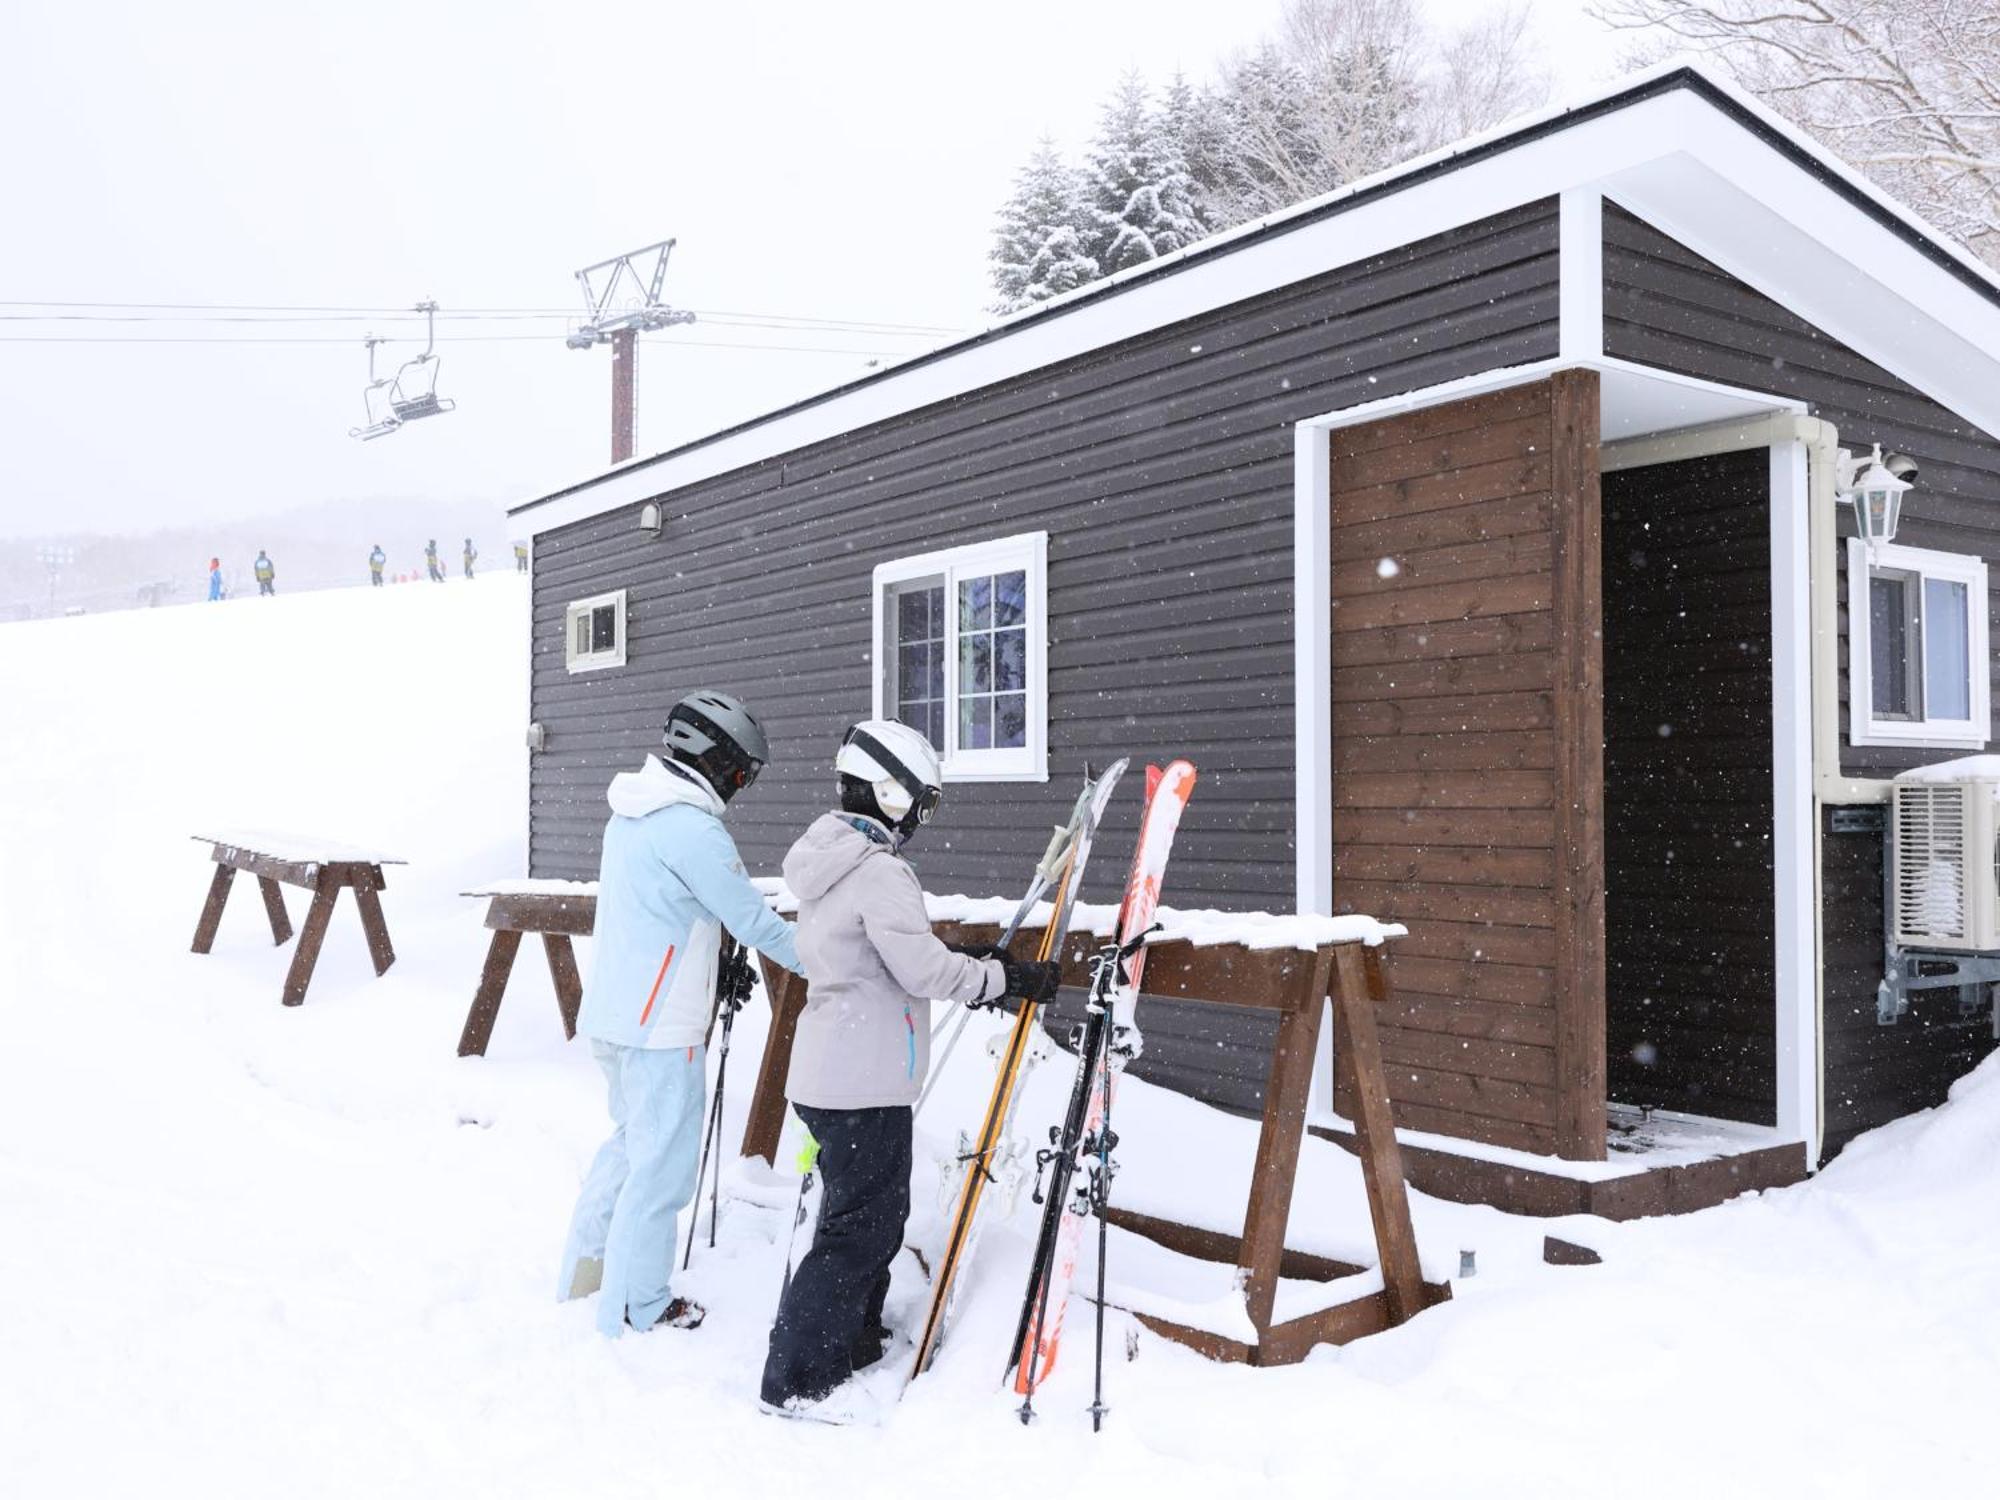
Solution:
(1580, 316)
(1800, 1108)
(1734, 200)
(1537, 168)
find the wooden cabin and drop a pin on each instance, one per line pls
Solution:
(1475, 530)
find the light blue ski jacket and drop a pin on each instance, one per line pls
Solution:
(669, 882)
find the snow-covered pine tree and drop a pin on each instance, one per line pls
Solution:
(1039, 244)
(1180, 126)
(1141, 198)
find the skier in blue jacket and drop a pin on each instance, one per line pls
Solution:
(670, 880)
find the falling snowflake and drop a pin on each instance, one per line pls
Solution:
(1388, 567)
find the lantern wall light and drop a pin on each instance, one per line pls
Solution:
(651, 521)
(1875, 487)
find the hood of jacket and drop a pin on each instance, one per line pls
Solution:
(827, 852)
(655, 785)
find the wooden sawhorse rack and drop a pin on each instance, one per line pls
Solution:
(323, 868)
(1295, 983)
(558, 915)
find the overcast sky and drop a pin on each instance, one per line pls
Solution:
(815, 161)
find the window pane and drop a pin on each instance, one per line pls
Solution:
(583, 635)
(913, 670)
(1947, 650)
(975, 664)
(1890, 645)
(975, 723)
(1010, 721)
(914, 675)
(1010, 598)
(1010, 661)
(604, 628)
(975, 604)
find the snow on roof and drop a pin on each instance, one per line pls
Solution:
(1218, 270)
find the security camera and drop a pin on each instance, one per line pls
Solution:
(1902, 466)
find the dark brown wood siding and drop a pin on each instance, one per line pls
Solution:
(1161, 469)
(1464, 584)
(1666, 306)
(1689, 906)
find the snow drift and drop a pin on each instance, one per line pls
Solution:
(254, 1250)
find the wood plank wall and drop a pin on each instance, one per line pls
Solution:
(1468, 754)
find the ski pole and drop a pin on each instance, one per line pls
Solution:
(1102, 1193)
(732, 989)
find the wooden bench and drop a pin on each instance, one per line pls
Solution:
(1295, 983)
(557, 909)
(317, 865)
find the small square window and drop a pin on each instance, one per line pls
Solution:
(594, 633)
(963, 646)
(1917, 647)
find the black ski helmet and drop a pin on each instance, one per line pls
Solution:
(718, 737)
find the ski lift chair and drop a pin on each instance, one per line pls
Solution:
(408, 395)
(377, 400)
(414, 393)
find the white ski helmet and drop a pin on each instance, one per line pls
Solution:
(898, 763)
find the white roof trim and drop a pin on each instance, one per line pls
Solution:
(1672, 157)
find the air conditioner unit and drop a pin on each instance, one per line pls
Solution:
(1943, 877)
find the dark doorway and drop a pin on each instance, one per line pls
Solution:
(1690, 913)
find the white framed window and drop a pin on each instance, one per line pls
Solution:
(1916, 644)
(961, 655)
(594, 632)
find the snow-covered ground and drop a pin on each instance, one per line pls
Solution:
(257, 1251)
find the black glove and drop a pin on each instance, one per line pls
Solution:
(1029, 980)
(975, 950)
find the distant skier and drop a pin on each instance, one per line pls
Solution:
(471, 556)
(432, 562)
(214, 578)
(669, 881)
(862, 1051)
(377, 561)
(267, 576)
(520, 557)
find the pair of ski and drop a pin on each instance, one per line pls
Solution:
(1083, 1142)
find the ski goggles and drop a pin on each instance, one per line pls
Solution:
(924, 800)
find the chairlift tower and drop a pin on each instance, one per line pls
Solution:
(54, 557)
(621, 299)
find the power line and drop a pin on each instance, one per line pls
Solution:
(471, 338)
(218, 312)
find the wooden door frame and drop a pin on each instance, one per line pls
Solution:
(1799, 1069)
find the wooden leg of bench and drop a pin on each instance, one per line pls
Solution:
(1278, 1142)
(767, 1103)
(563, 974)
(274, 908)
(211, 910)
(486, 1000)
(306, 956)
(372, 925)
(1359, 1049)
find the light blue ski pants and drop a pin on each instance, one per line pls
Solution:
(639, 1182)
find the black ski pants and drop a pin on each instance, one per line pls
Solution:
(832, 1311)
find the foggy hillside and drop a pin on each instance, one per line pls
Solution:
(312, 547)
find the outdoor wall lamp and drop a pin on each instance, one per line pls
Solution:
(1875, 492)
(650, 519)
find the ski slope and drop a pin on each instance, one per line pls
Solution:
(254, 1251)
